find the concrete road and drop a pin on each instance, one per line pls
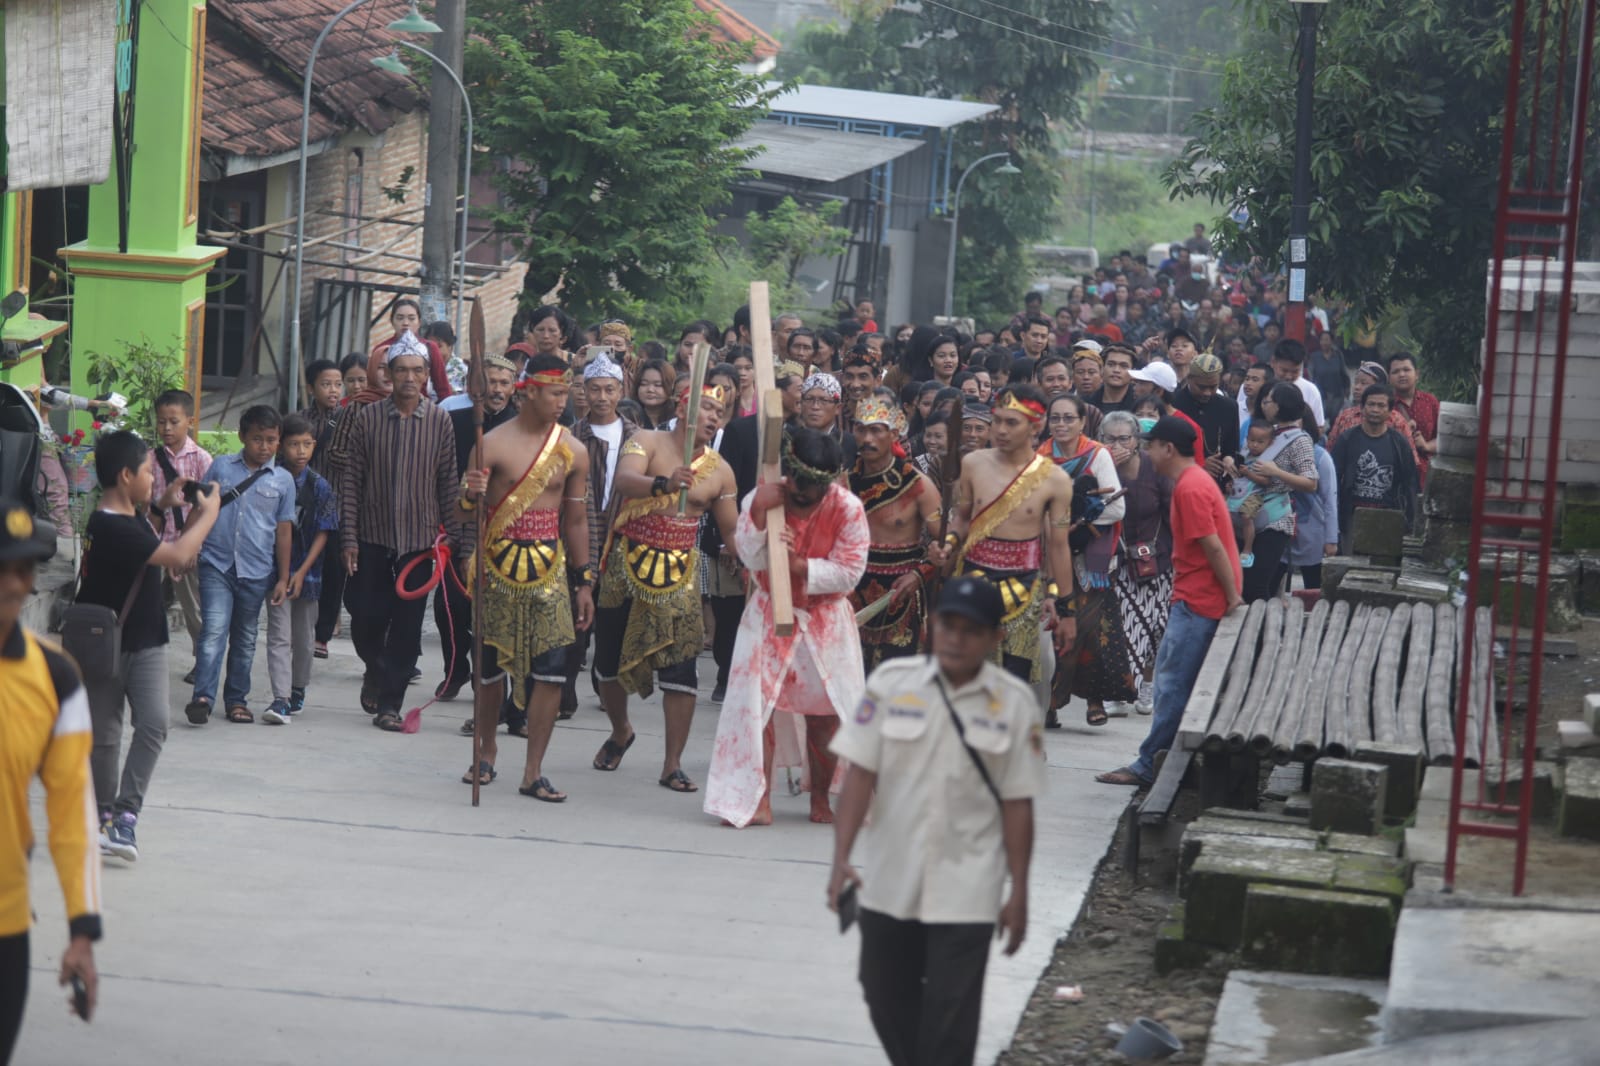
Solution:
(322, 892)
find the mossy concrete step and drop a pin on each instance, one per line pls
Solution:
(1578, 814)
(1173, 950)
(1222, 875)
(1313, 930)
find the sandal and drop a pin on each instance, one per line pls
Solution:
(369, 697)
(1051, 719)
(319, 650)
(240, 715)
(678, 781)
(610, 754)
(198, 712)
(1123, 776)
(486, 774)
(466, 728)
(543, 791)
(389, 722)
(1096, 715)
(518, 730)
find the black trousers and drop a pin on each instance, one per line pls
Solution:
(924, 987)
(333, 579)
(725, 613)
(1261, 580)
(386, 630)
(455, 626)
(13, 990)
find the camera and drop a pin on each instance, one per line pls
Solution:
(193, 491)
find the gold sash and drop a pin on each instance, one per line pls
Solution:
(628, 510)
(986, 521)
(526, 492)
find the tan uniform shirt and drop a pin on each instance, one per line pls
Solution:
(935, 846)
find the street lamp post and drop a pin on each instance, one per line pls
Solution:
(413, 22)
(393, 64)
(955, 221)
(1294, 323)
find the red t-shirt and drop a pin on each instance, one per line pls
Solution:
(1199, 510)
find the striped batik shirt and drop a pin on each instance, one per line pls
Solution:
(397, 477)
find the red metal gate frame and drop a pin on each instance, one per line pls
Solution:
(1536, 218)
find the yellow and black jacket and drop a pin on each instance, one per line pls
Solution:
(45, 730)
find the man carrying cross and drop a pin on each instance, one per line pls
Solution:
(812, 675)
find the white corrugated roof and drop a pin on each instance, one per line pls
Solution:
(819, 155)
(897, 108)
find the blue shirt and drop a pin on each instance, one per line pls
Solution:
(245, 537)
(322, 516)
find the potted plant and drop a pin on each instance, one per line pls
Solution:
(140, 373)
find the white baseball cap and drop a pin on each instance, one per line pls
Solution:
(1157, 373)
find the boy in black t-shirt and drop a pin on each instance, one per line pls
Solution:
(120, 548)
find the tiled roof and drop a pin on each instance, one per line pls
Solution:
(255, 53)
(734, 28)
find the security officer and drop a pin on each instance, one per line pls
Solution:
(946, 752)
(44, 729)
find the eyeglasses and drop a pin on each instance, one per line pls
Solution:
(1055, 420)
(1123, 440)
(819, 401)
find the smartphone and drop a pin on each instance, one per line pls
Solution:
(80, 998)
(849, 908)
(194, 490)
(597, 350)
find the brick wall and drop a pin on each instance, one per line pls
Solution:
(350, 178)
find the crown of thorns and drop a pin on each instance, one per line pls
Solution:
(803, 471)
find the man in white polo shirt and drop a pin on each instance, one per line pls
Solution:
(1288, 364)
(946, 753)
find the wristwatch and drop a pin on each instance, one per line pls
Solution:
(658, 486)
(581, 576)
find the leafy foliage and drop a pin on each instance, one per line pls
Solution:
(1404, 157)
(141, 373)
(790, 234)
(618, 117)
(1029, 57)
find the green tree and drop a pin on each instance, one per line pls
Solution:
(1031, 58)
(790, 234)
(1404, 157)
(618, 118)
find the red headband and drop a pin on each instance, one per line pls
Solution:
(539, 379)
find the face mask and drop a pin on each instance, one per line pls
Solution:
(1146, 425)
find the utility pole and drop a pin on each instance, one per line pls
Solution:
(444, 167)
(1294, 324)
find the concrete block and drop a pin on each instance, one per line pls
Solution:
(1591, 711)
(1173, 951)
(1576, 738)
(1544, 1043)
(1276, 816)
(1445, 537)
(1298, 805)
(1461, 968)
(1356, 844)
(1222, 832)
(1588, 582)
(1379, 533)
(1268, 1019)
(1222, 875)
(1580, 518)
(1348, 796)
(1309, 930)
(1578, 814)
(1406, 764)
(1516, 596)
(1544, 786)
(1451, 482)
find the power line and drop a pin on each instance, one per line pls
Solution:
(1088, 33)
(1072, 47)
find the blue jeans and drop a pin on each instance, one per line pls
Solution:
(230, 611)
(1183, 650)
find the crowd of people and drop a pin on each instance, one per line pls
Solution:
(1084, 495)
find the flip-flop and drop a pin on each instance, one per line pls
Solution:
(240, 715)
(198, 711)
(319, 650)
(612, 752)
(1096, 717)
(1123, 776)
(678, 781)
(466, 728)
(486, 774)
(389, 722)
(543, 785)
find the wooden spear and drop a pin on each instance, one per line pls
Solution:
(478, 387)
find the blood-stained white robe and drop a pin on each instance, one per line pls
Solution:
(817, 670)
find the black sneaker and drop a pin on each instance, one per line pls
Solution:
(297, 700)
(448, 690)
(188, 679)
(198, 711)
(719, 693)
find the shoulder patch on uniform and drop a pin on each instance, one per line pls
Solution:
(64, 673)
(868, 708)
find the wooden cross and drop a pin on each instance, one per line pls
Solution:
(771, 411)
